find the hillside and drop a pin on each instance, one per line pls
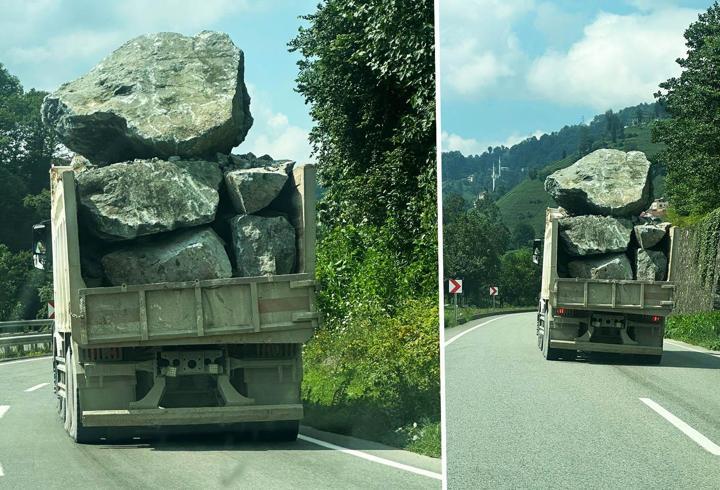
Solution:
(527, 201)
(627, 129)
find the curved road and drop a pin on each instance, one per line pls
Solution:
(515, 420)
(35, 452)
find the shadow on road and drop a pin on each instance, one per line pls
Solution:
(671, 358)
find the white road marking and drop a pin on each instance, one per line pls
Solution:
(687, 347)
(699, 439)
(7, 363)
(453, 339)
(370, 457)
(3, 410)
(36, 387)
(2, 473)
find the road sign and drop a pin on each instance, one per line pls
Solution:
(493, 290)
(455, 286)
(51, 309)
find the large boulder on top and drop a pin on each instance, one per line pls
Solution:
(183, 256)
(608, 182)
(157, 95)
(649, 235)
(615, 266)
(594, 235)
(263, 246)
(253, 189)
(131, 199)
(651, 265)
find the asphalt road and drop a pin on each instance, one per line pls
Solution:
(515, 420)
(35, 452)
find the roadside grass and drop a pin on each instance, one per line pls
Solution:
(701, 329)
(469, 313)
(17, 354)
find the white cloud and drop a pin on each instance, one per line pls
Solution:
(472, 146)
(620, 60)
(178, 15)
(272, 133)
(479, 48)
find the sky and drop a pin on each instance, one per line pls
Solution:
(511, 69)
(48, 42)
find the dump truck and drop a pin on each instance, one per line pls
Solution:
(174, 356)
(599, 315)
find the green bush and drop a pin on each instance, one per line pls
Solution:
(701, 329)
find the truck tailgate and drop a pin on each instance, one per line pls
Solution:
(614, 295)
(142, 313)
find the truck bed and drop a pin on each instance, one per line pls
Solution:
(613, 295)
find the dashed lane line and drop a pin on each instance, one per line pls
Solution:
(3, 410)
(36, 387)
(371, 457)
(693, 434)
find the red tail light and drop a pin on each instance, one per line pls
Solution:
(656, 319)
(560, 311)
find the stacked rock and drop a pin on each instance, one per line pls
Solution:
(159, 196)
(604, 236)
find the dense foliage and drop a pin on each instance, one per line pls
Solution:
(701, 329)
(692, 135)
(26, 150)
(367, 73)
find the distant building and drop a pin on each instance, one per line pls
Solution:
(658, 209)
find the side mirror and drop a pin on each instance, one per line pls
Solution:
(40, 245)
(537, 248)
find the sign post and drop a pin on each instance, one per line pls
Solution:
(455, 288)
(493, 293)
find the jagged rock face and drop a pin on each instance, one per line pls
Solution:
(263, 245)
(254, 189)
(183, 256)
(649, 235)
(594, 235)
(616, 266)
(158, 95)
(248, 160)
(651, 265)
(608, 182)
(131, 199)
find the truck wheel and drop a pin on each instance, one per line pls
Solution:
(73, 421)
(549, 353)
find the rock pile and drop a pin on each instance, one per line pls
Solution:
(159, 196)
(604, 237)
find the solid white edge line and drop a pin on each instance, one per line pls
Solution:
(370, 457)
(687, 347)
(2, 473)
(696, 436)
(20, 361)
(453, 339)
(36, 387)
(3, 410)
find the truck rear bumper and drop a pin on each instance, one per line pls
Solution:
(598, 347)
(191, 416)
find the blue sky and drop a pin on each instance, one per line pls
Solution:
(48, 42)
(515, 68)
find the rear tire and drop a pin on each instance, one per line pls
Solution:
(73, 420)
(285, 431)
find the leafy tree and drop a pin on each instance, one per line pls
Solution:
(692, 135)
(523, 234)
(453, 206)
(520, 278)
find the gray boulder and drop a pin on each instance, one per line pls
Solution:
(649, 235)
(651, 265)
(615, 266)
(594, 235)
(609, 182)
(248, 160)
(157, 95)
(252, 189)
(183, 256)
(263, 245)
(131, 199)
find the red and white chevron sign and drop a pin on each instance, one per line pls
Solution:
(51, 309)
(455, 286)
(493, 290)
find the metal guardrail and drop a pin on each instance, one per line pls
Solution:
(16, 335)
